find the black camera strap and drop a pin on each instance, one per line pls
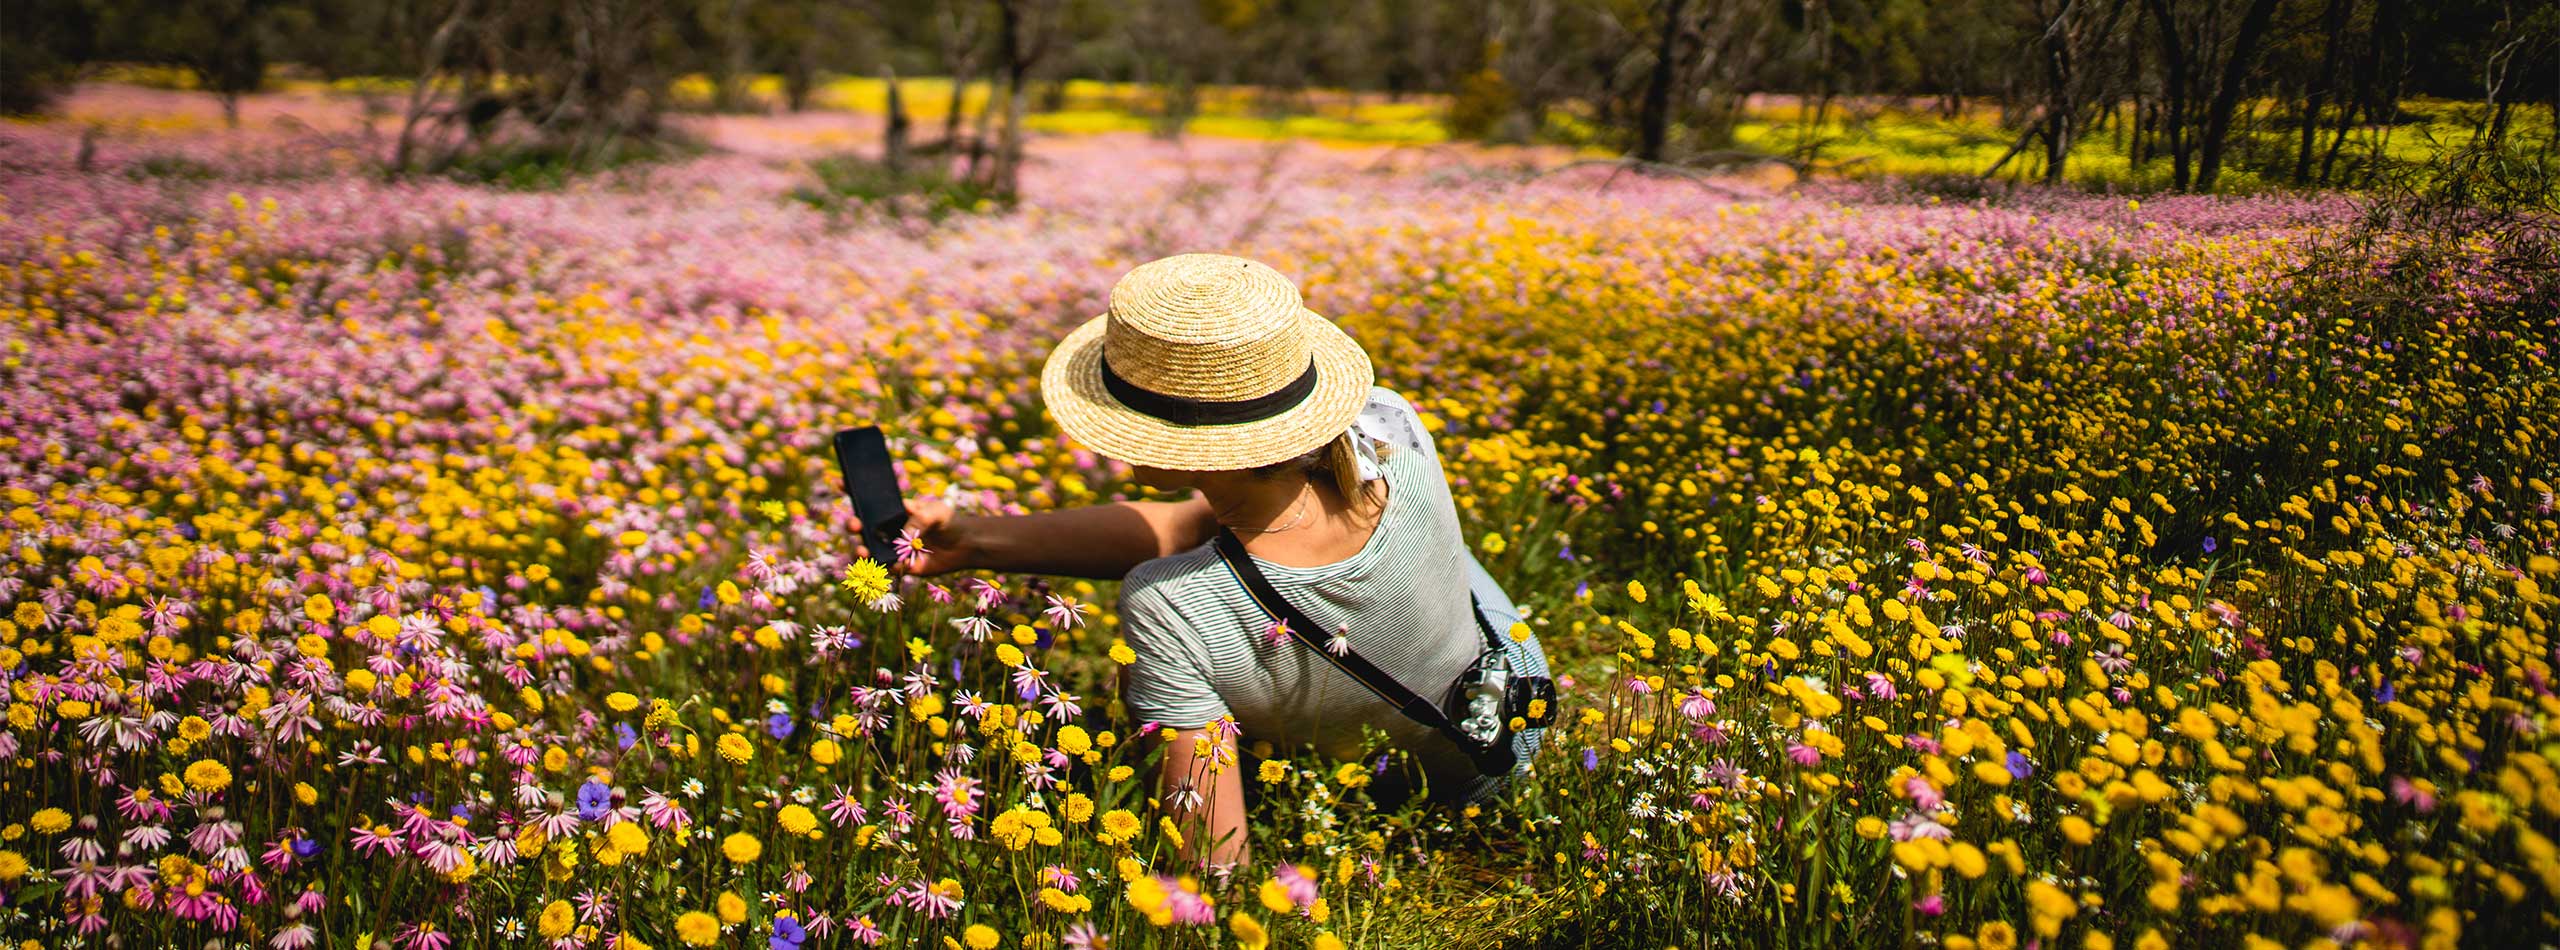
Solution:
(1496, 759)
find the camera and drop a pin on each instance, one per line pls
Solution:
(1489, 695)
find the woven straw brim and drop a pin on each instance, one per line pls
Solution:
(1071, 384)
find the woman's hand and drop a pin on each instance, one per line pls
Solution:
(944, 535)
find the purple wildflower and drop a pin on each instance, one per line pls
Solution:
(594, 800)
(787, 934)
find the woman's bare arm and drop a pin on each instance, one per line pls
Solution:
(1096, 541)
(1202, 787)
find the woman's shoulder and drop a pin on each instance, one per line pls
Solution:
(1171, 606)
(1161, 582)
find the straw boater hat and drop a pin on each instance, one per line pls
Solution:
(1205, 362)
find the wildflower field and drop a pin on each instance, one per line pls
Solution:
(424, 565)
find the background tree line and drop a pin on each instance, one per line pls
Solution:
(2286, 85)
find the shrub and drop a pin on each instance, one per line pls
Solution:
(853, 183)
(542, 164)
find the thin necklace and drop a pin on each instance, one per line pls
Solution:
(1299, 506)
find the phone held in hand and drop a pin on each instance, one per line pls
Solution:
(871, 478)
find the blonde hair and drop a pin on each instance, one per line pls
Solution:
(1333, 464)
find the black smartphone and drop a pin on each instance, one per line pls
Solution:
(871, 478)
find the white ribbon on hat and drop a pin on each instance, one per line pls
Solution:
(1364, 453)
(1383, 421)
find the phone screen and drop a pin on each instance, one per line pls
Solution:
(871, 478)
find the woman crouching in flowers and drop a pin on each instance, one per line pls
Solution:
(1208, 374)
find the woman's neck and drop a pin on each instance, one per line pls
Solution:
(1257, 506)
(1329, 527)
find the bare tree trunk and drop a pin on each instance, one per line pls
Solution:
(982, 129)
(2338, 140)
(1181, 102)
(2335, 18)
(956, 45)
(2138, 148)
(2057, 106)
(2226, 95)
(2551, 142)
(2136, 155)
(893, 146)
(1653, 124)
(1809, 126)
(2015, 147)
(1009, 150)
(799, 79)
(955, 109)
(2361, 100)
(428, 66)
(730, 94)
(1012, 41)
(2493, 83)
(2173, 59)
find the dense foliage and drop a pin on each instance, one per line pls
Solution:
(2199, 95)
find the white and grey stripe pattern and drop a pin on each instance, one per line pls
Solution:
(1402, 601)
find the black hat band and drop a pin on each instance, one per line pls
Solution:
(1186, 411)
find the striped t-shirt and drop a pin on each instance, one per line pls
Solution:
(1203, 653)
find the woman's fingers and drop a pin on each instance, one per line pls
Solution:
(853, 529)
(927, 515)
(936, 529)
(938, 532)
